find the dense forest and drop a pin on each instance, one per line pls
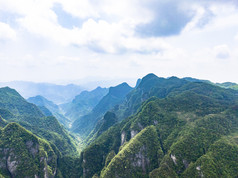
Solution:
(162, 127)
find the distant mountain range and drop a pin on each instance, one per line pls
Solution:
(49, 109)
(83, 103)
(57, 93)
(85, 124)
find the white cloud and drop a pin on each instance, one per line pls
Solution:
(106, 44)
(82, 9)
(6, 32)
(117, 21)
(222, 51)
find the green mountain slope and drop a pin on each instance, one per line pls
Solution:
(3, 123)
(17, 105)
(50, 129)
(15, 108)
(108, 120)
(45, 105)
(149, 86)
(230, 85)
(115, 96)
(45, 111)
(219, 161)
(188, 124)
(83, 103)
(137, 158)
(25, 155)
(162, 128)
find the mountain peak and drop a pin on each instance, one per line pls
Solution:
(148, 81)
(98, 88)
(149, 76)
(138, 82)
(9, 90)
(13, 127)
(173, 78)
(40, 100)
(120, 89)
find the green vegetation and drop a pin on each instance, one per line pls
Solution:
(25, 155)
(109, 119)
(162, 128)
(69, 167)
(83, 103)
(13, 102)
(36, 153)
(230, 85)
(137, 158)
(84, 125)
(93, 163)
(164, 171)
(15, 108)
(149, 86)
(3, 123)
(48, 108)
(50, 129)
(193, 124)
(219, 161)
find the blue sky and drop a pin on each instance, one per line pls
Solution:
(86, 40)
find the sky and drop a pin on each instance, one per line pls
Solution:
(87, 40)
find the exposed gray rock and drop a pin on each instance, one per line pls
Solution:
(133, 133)
(123, 137)
(45, 169)
(198, 168)
(155, 122)
(186, 164)
(173, 158)
(29, 144)
(140, 126)
(42, 159)
(12, 165)
(6, 150)
(140, 159)
(32, 149)
(3, 162)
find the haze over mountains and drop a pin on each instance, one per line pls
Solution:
(56, 93)
(163, 127)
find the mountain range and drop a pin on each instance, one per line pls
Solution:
(184, 129)
(163, 127)
(49, 109)
(83, 103)
(57, 93)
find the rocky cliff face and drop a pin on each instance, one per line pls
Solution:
(136, 158)
(24, 154)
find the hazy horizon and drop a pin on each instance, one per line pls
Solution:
(90, 84)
